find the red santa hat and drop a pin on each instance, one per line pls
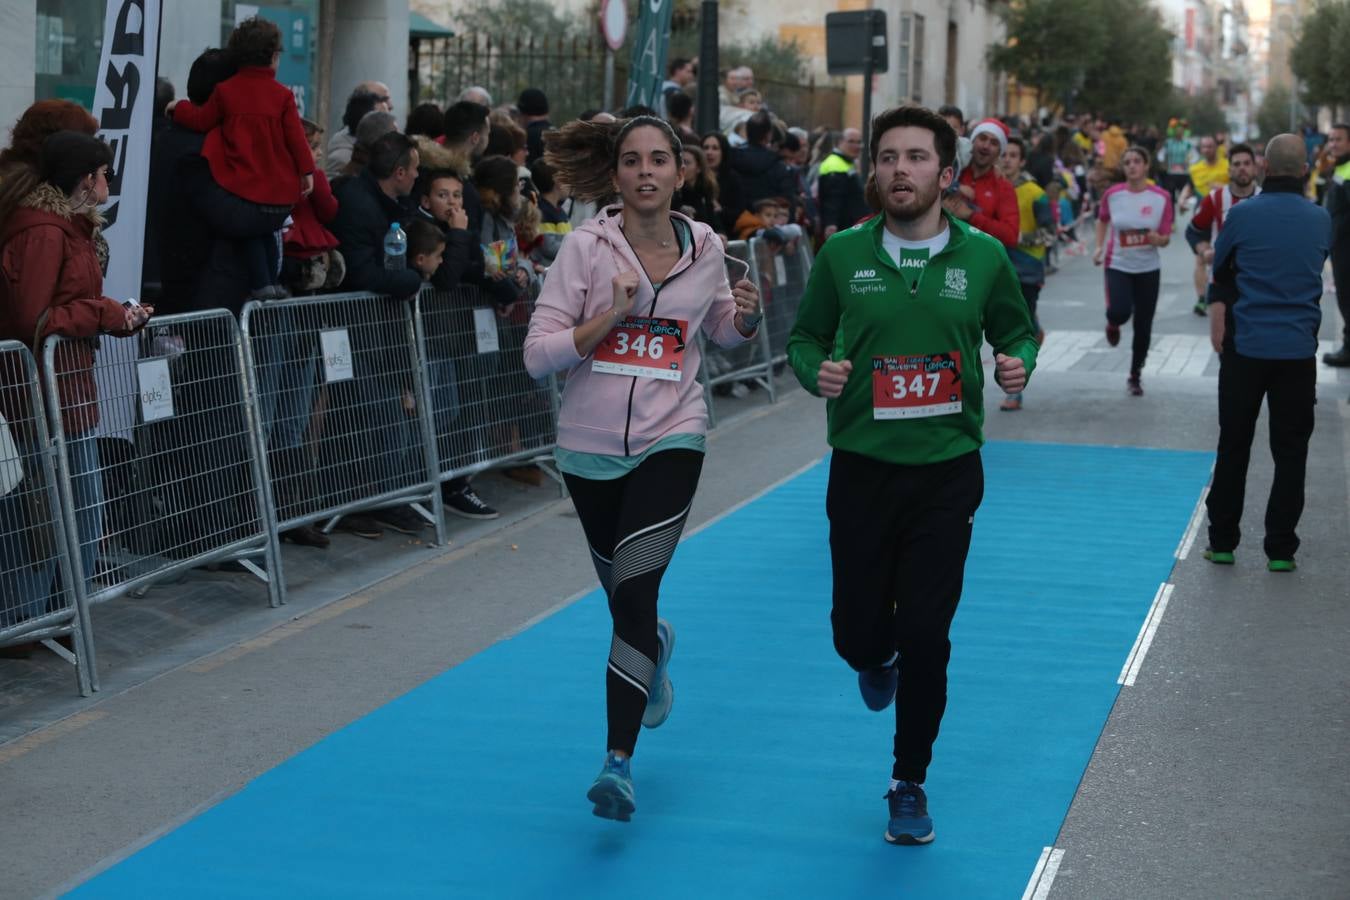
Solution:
(994, 127)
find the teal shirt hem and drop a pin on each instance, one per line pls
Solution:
(603, 467)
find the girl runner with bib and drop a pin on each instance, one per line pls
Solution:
(620, 312)
(1138, 216)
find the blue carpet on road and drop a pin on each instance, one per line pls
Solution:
(767, 780)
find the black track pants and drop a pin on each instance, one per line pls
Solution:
(1134, 294)
(632, 525)
(899, 536)
(1289, 388)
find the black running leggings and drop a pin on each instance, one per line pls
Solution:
(1133, 293)
(632, 525)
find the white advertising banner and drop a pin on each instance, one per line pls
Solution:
(124, 98)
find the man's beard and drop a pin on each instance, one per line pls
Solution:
(914, 206)
(1243, 184)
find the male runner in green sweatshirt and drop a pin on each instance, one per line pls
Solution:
(911, 295)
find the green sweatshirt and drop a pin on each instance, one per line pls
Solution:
(916, 392)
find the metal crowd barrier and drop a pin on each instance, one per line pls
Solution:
(486, 410)
(748, 362)
(37, 581)
(216, 437)
(783, 270)
(341, 407)
(182, 486)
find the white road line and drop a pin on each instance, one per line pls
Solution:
(1135, 660)
(1171, 356)
(1193, 529)
(1043, 876)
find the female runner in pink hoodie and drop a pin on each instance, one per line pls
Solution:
(619, 312)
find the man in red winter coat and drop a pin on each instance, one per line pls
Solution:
(987, 200)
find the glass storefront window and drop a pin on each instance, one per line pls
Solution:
(69, 43)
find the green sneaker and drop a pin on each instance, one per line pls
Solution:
(1220, 557)
(1281, 565)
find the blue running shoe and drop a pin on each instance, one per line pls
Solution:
(910, 822)
(612, 792)
(878, 686)
(661, 697)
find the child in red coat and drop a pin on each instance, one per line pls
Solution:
(255, 144)
(312, 261)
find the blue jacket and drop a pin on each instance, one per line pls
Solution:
(1268, 269)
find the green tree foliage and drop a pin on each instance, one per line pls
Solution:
(771, 59)
(1272, 117)
(1048, 44)
(1202, 111)
(538, 19)
(1113, 56)
(1318, 56)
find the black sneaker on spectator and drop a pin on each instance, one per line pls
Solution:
(403, 519)
(466, 503)
(360, 525)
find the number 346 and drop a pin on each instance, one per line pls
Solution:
(641, 346)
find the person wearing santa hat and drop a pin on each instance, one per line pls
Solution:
(987, 200)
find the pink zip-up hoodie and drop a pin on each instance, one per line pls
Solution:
(623, 415)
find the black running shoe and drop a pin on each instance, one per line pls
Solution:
(467, 504)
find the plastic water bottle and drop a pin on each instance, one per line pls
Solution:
(395, 248)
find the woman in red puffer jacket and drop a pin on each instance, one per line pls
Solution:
(53, 285)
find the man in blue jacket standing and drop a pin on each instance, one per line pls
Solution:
(1265, 310)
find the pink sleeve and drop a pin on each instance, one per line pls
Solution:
(1166, 226)
(720, 322)
(550, 344)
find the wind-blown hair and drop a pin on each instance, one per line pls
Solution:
(584, 155)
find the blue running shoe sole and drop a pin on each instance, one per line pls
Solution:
(611, 800)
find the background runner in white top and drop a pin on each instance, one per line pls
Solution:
(1131, 215)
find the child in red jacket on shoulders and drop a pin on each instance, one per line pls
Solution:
(255, 144)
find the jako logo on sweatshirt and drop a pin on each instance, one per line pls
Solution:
(866, 281)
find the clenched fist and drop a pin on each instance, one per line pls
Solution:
(625, 292)
(832, 377)
(1010, 373)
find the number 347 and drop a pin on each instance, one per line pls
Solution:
(919, 386)
(641, 346)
